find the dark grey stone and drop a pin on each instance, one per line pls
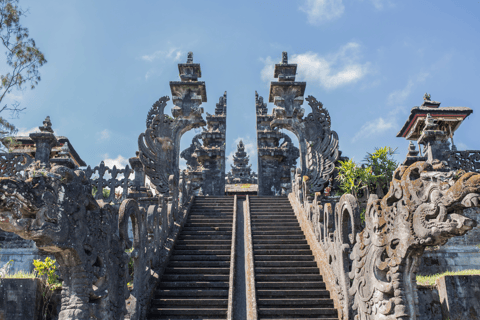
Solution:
(459, 297)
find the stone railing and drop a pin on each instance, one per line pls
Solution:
(110, 180)
(468, 160)
(370, 267)
(53, 205)
(14, 164)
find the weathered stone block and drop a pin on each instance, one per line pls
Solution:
(429, 306)
(20, 299)
(459, 297)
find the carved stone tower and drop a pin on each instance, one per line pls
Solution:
(211, 155)
(275, 160)
(241, 171)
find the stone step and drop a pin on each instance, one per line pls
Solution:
(279, 241)
(215, 257)
(287, 277)
(159, 293)
(207, 228)
(296, 312)
(289, 246)
(284, 237)
(285, 264)
(193, 270)
(195, 236)
(304, 302)
(272, 228)
(283, 258)
(205, 233)
(202, 252)
(291, 285)
(289, 232)
(282, 252)
(272, 219)
(313, 293)
(188, 312)
(193, 284)
(194, 277)
(199, 241)
(276, 270)
(202, 247)
(190, 302)
(196, 263)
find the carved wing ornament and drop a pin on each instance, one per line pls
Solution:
(156, 146)
(322, 145)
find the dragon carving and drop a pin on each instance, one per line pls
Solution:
(55, 208)
(375, 267)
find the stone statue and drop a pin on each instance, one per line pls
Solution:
(55, 208)
(422, 208)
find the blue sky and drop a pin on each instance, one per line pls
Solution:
(368, 61)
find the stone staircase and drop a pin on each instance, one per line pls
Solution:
(195, 284)
(287, 280)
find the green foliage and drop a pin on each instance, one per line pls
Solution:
(383, 165)
(352, 177)
(106, 192)
(23, 58)
(47, 269)
(430, 279)
(376, 172)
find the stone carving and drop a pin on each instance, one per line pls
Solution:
(318, 143)
(276, 154)
(372, 266)
(55, 208)
(241, 171)
(375, 267)
(14, 164)
(211, 154)
(159, 144)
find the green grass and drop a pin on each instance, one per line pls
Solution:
(21, 275)
(430, 280)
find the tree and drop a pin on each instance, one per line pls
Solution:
(383, 165)
(376, 172)
(23, 58)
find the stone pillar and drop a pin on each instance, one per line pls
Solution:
(44, 141)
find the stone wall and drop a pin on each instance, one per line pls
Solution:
(459, 253)
(21, 251)
(20, 299)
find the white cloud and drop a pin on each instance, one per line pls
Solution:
(395, 100)
(374, 127)
(22, 132)
(104, 135)
(319, 11)
(461, 145)
(400, 96)
(381, 4)
(120, 162)
(170, 54)
(250, 148)
(330, 71)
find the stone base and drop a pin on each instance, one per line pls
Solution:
(20, 299)
(459, 297)
(450, 258)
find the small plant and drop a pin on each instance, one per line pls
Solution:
(131, 265)
(47, 271)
